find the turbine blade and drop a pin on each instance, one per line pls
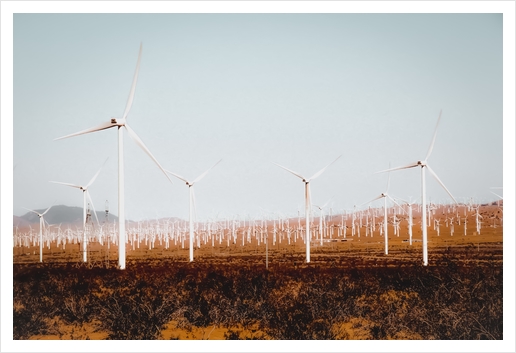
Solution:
(93, 206)
(404, 201)
(102, 126)
(140, 143)
(396, 203)
(411, 165)
(177, 176)
(327, 202)
(322, 170)
(433, 139)
(67, 184)
(497, 195)
(133, 86)
(440, 182)
(28, 209)
(376, 198)
(204, 174)
(288, 170)
(47, 209)
(95, 176)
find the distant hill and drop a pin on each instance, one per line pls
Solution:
(19, 222)
(60, 214)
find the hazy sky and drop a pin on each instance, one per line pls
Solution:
(253, 89)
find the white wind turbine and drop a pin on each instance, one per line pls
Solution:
(192, 201)
(86, 196)
(41, 226)
(307, 201)
(410, 220)
(119, 123)
(384, 195)
(321, 216)
(423, 164)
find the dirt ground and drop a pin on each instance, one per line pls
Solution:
(356, 251)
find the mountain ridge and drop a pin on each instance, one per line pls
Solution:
(60, 214)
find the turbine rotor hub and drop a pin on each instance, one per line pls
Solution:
(118, 122)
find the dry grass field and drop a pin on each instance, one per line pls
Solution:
(349, 290)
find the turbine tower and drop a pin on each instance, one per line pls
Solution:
(119, 123)
(192, 202)
(384, 195)
(321, 216)
(424, 165)
(41, 226)
(86, 196)
(307, 201)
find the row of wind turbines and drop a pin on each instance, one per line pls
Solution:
(121, 124)
(247, 233)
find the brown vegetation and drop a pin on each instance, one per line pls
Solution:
(460, 299)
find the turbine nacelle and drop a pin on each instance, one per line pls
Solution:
(118, 121)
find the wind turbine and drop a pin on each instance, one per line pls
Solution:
(307, 201)
(192, 201)
(384, 195)
(321, 216)
(410, 221)
(86, 196)
(119, 123)
(424, 165)
(41, 226)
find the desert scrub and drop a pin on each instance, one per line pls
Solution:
(454, 301)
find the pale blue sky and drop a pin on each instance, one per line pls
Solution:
(252, 89)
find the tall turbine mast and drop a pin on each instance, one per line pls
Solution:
(86, 196)
(41, 226)
(192, 202)
(423, 164)
(307, 201)
(120, 123)
(385, 195)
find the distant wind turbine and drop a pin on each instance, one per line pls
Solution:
(307, 201)
(86, 196)
(424, 164)
(321, 216)
(384, 195)
(192, 201)
(119, 123)
(41, 226)
(410, 220)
